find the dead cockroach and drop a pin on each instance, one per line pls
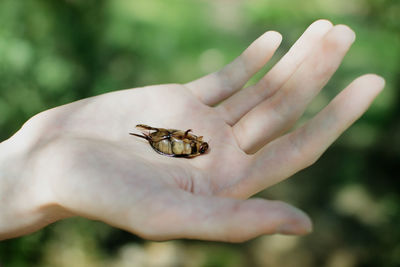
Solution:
(172, 142)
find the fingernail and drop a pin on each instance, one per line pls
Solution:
(381, 80)
(322, 23)
(375, 79)
(301, 225)
(350, 34)
(273, 36)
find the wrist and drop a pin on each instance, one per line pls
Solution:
(26, 204)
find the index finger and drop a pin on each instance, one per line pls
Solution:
(219, 85)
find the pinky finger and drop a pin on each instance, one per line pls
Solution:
(318, 134)
(299, 149)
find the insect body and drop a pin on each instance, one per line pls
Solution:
(173, 143)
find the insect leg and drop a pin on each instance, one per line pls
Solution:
(187, 132)
(146, 127)
(160, 138)
(142, 136)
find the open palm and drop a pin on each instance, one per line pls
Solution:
(91, 166)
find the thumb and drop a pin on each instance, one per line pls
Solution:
(225, 219)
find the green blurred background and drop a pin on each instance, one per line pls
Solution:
(54, 52)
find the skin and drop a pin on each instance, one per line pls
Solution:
(79, 160)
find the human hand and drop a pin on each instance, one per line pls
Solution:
(80, 159)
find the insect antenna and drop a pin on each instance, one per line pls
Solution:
(142, 136)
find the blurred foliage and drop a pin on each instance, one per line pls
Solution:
(55, 52)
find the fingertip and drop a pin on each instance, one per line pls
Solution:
(297, 222)
(372, 78)
(323, 23)
(346, 32)
(270, 39)
(306, 225)
(371, 82)
(381, 80)
(320, 26)
(273, 36)
(260, 51)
